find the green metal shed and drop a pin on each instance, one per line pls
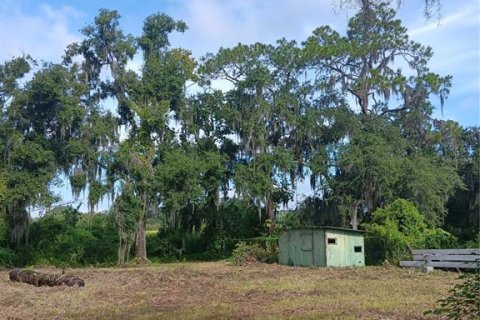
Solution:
(323, 247)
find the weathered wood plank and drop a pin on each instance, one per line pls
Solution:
(447, 251)
(461, 265)
(415, 264)
(447, 257)
(441, 264)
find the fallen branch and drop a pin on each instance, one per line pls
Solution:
(44, 279)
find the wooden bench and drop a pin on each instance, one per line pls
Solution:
(444, 258)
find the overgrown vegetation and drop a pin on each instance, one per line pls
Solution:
(397, 229)
(254, 252)
(211, 168)
(463, 301)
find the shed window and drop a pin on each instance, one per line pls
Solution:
(332, 240)
(357, 248)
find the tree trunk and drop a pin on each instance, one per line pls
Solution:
(353, 220)
(141, 238)
(91, 209)
(141, 242)
(259, 211)
(354, 215)
(121, 251)
(271, 212)
(127, 253)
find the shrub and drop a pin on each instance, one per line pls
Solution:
(240, 220)
(217, 241)
(473, 243)
(167, 245)
(3, 229)
(7, 257)
(463, 301)
(440, 239)
(244, 253)
(397, 229)
(63, 237)
(393, 232)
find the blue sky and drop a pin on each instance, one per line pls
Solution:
(44, 28)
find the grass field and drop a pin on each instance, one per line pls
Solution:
(220, 291)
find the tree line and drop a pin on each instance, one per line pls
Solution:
(350, 112)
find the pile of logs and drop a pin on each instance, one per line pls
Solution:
(44, 279)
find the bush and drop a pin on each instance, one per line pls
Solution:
(244, 253)
(240, 220)
(440, 239)
(463, 301)
(397, 229)
(217, 241)
(393, 232)
(473, 243)
(3, 229)
(168, 245)
(7, 257)
(63, 237)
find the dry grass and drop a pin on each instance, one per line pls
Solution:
(219, 291)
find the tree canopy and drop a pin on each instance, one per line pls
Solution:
(350, 112)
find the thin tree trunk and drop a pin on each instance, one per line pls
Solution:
(141, 241)
(121, 251)
(140, 244)
(127, 253)
(259, 210)
(271, 212)
(91, 209)
(354, 215)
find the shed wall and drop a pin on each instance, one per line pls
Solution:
(355, 258)
(335, 251)
(319, 248)
(311, 248)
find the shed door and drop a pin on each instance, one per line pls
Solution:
(306, 248)
(335, 243)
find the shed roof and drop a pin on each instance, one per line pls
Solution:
(330, 228)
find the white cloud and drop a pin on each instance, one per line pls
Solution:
(463, 16)
(455, 41)
(215, 23)
(44, 35)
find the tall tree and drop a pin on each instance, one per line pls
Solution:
(266, 99)
(104, 54)
(366, 64)
(39, 124)
(146, 106)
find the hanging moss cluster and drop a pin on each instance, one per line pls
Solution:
(96, 191)
(78, 182)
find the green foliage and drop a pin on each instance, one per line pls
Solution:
(127, 209)
(244, 253)
(8, 258)
(393, 232)
(62, 237)
(168, 245)
(4, 229)
(287, 115)
(440, 239)
(312, 212)
(428, 183)
(463, 301)
(240, 220)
